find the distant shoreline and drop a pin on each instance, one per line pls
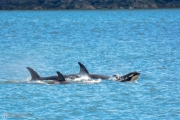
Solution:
(88, 9)
(34, 9)
(87, 4)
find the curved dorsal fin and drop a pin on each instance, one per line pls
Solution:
(34, 74)
(83, 70)
(60, 76)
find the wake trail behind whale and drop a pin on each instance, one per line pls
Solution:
(84, 79)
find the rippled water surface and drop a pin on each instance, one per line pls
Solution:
(106, 42)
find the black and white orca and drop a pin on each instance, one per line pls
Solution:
(131, 77)
(59, 79)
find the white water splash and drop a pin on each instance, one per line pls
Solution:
(85, 79)
(12, 81)
(37, 82)
(28, 79)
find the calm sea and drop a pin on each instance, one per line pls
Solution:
(107, 42)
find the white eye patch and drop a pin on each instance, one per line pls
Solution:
(131, 75)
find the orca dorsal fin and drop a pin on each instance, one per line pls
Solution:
(83, 70)
(60, 76)
(34, 74)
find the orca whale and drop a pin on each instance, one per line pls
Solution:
(59, 79)
(82, 73)
(132, 76)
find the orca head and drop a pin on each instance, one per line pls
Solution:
(132, 76)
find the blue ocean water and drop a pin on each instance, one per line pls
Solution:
(107, 42)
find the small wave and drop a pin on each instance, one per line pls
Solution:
(86, 80)
(12, 81)
(36, 82)
(92, 81)
(28, 79)
(15, 115)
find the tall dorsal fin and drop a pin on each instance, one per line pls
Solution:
(60, 76)
(83, 70)
(34, 74)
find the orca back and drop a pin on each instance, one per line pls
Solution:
(34, 74)
(60, 77)
(83, 70)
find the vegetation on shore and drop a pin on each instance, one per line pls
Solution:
(86, 4)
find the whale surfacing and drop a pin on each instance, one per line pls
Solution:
(130, 77)
(83, 73)
(50, 79)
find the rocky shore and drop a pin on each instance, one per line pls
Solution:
(86, 4)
